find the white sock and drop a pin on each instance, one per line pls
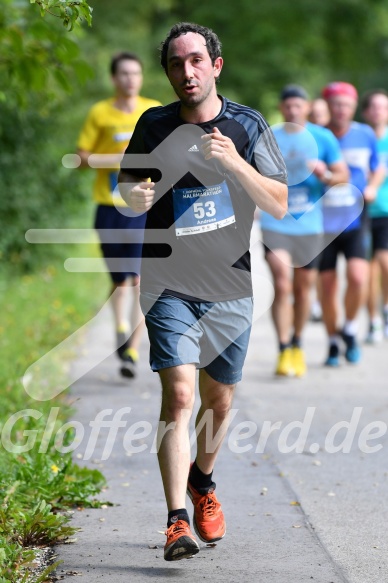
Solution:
(351, 327)
(334, 340)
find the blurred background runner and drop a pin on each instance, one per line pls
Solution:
(107, 130)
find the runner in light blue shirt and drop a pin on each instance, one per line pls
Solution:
(344, 218)
(313, 160)
(301, 147)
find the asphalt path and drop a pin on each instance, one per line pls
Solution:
(304, 498)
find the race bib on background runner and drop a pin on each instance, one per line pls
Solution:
(342, 205)
(341, 195)
(298, 200)
(200, 209)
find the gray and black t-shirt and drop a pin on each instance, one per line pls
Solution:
(197, 233)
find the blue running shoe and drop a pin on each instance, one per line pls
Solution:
(353, 351)
(333, 356)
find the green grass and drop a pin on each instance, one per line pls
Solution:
(39, 311)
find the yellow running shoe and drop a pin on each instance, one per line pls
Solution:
(285, 366)
(298, 361)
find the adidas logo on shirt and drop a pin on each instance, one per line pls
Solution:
(193, 149)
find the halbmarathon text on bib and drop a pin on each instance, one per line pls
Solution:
(200, 209)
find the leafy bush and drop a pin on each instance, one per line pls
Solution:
(37, 191)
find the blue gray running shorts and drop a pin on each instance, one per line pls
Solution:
(212, 335)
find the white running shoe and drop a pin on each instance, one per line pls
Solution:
(375, 334)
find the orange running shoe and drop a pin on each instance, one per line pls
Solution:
(208, 519)
(180, 542)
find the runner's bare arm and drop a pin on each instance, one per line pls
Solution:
(268, 194)
(376, 178)
(136, 192)
(330, 174)
(84, 155)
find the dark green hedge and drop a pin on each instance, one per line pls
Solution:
(36, 191)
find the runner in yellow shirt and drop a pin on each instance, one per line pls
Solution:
(107, 130)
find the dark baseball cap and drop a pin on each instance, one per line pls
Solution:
(293, 91)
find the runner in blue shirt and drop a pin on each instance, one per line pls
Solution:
(374, 107)
(293, 245)
(345, 220)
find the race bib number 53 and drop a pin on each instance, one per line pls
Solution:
(200, 209)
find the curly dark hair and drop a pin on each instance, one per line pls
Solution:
(213, 43)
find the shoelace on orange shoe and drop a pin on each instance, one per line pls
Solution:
(210, 505)
(177, 527)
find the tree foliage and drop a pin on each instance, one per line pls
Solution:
(265, 44)
(69, 11)
(36, 190)
(52, 70)
(268, 44)
(40, 63)
(37, 55)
